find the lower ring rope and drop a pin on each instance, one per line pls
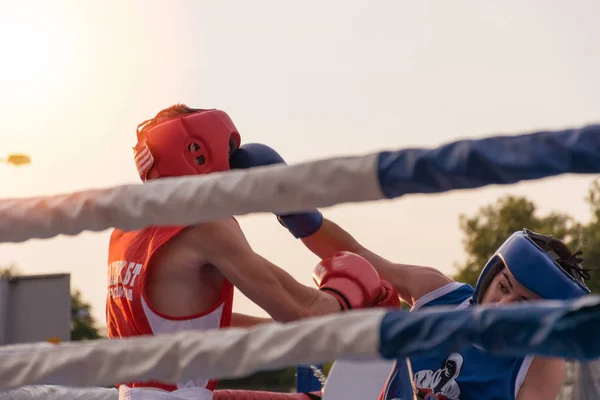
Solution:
(546, 328)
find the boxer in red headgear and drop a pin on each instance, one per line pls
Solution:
(168, 279)
(185, 141)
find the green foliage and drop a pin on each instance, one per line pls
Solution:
(83, 325)
(283, 380)
(485, 231)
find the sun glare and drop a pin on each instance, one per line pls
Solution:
(36, 51)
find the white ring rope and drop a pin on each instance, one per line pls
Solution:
(51, 392)
(191, 200)
(228, 353)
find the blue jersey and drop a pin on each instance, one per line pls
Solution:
(469, 375)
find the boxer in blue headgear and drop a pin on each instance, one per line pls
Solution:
(541, 264)
(527, 266)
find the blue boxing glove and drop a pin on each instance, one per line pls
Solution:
(251, 155)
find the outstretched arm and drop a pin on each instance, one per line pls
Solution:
(324, 238)
(411, 281)
(345, 281)
(223, 244)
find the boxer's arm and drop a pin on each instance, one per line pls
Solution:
(223, 244)
(543, 380)
(243, 321)
(253, 155)
(410, 281)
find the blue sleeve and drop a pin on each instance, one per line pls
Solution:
(467, 164)
(454, 297)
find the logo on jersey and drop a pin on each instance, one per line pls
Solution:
(121, 278)
(439, 384)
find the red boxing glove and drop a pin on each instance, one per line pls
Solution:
(353, 281)
(390, 296)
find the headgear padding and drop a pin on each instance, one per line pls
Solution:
(535, 268)
(195, 143)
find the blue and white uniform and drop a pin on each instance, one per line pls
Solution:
(474, 374)
(470, 374)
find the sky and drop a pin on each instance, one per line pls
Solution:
(313, 79)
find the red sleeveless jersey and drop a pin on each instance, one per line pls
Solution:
(128, 311)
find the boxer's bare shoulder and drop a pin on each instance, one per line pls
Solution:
(217, 251)
(181, 281)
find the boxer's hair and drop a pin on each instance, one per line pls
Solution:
(167, 113)
(570, 262)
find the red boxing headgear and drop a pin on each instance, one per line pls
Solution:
(189, 144)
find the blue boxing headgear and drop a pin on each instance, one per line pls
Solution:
(537, 266)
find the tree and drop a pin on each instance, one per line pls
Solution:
(589, 237)
(83, 325)
(485, 231)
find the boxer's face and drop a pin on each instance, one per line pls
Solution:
(504, 289)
